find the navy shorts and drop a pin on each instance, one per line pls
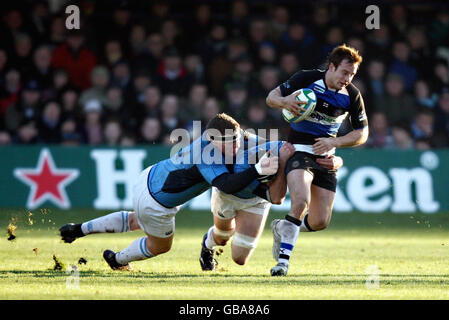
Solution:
(322, 177)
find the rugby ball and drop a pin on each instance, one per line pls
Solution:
(306, 95)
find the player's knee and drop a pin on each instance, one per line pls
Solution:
(221, 237)
(318, 224)
(240, 259)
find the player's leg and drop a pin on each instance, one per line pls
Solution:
(158, 240)
(286, 231)
(219, 234)
(115, 222)
(320, 212)
(248, 229)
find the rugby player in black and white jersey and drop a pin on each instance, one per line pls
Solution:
(311, 171)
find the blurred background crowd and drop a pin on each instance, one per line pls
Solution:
(138, 69)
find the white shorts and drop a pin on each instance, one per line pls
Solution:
(153, 218)
(225, 206)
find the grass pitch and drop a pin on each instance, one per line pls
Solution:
(359, 256)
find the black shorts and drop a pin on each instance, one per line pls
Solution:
(322, 177)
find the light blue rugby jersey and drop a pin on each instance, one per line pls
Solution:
(250, 156)
(185, 175)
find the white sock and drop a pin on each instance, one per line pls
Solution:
(113, 222)
(137, 250)
(289, 232)
(305, 227)
(210, 241)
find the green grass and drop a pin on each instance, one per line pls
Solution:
(411, 253)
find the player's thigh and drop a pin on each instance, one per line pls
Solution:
(320, 209)
(299, 182)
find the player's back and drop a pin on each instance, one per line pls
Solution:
(186, 174)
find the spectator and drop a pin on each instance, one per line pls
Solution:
(5, 138)
(151, 105)
(10, 91)
(211, 109)
(171, 34)
(151, 131)
(22, 53)
(195, 67)
(49, 125)
(236, 98)
(27, 133)
(127, 140)
(380, 134)
(99, 79)
(74, 57)
(57, 31)
(278, 24)
(423, 97)
(396, 103)
(152, 55)
(69, 102)
(193, 106)
(172, 75)
(93, 128)
(267, 54)
(442, 119)
(239, 18)
(70, 132)
(288, 65)
(169, 114)
(26, 109)
(268, 79)
(113, 53)
(137, 39)
(401, 65)
(422, 126)
(112, 132)
(257, 35)
(42, 71)
(402, 139)
(421, 56)
(297, 39)
(256, 117)
(441, 75)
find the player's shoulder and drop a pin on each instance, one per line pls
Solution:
(352, 89)
(312, 74)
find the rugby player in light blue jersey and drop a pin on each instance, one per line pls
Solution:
(161, 189)
(312, 186)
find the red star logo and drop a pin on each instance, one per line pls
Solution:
(46, 182)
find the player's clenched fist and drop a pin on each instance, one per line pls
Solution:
(267, 165)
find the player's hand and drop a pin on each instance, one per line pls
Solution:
(294, 106)
(323, 145)
(331, 162)
(267, 165)
(285, 152)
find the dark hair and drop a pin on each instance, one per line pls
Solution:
(343, 52)
(223, 122)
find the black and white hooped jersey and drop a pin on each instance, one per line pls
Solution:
(331, 109)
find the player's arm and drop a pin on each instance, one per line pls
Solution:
(284, 96)
(235, 182)
(278, 187)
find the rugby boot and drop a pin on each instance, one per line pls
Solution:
(109, 257)
(280, 269)
(207, 260)
(276, 239)
(70, 232)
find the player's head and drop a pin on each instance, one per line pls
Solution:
(224, 133)
(343, 63)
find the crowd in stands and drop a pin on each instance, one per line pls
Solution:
(135, 71)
